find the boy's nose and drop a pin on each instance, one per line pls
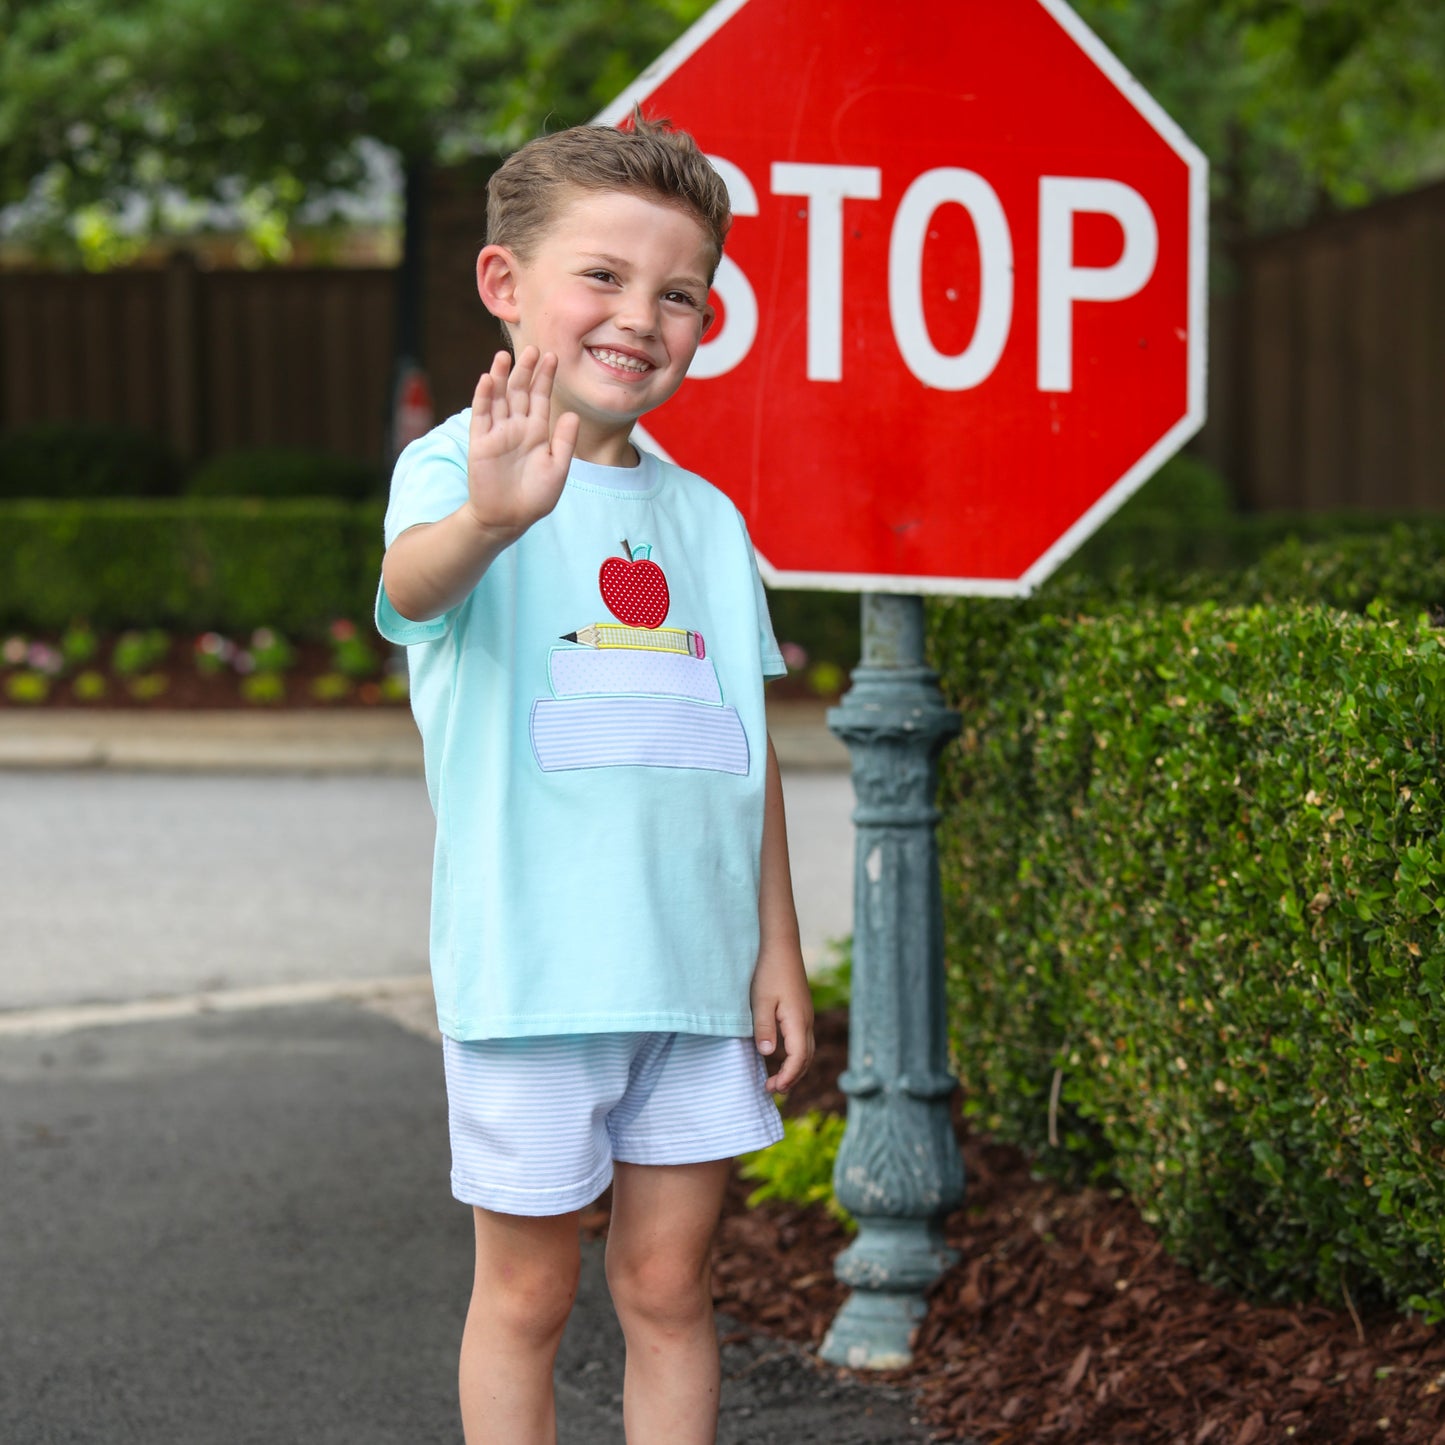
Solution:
(639, 315)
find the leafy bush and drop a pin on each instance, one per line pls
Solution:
(798, 1169)
(351, 654)
(272, 472)
(191, 563)
(1402, 568)
(1195, 891)
(832, 985)
(136, 652)
(80, 459)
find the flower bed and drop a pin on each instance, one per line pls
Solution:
(154, 668)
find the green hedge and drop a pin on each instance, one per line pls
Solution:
(54, 460)
(189, 563)
(284, 472)
(231, 563)
(1195, 894)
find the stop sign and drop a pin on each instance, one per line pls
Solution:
(962, 310)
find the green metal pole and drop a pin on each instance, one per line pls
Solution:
(899, 1170)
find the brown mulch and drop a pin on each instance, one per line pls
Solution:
(1065, 1322)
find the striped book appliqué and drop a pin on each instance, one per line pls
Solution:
(613, 732)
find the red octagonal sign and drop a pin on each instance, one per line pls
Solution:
(962, 311)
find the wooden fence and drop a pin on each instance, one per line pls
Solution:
(210, 360)
(1327, 353)
(1328, 363)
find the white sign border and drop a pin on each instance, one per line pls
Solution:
(703, 29)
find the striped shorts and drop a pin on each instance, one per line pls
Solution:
(536, 1123)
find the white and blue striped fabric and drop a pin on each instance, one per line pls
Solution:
(618, 732)
(537, 1122)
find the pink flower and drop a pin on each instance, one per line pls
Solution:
(343, 630)
(794, 655)
(46, 660)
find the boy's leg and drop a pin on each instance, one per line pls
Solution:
(659, 1249)
(525, 1283)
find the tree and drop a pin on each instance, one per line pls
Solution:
(1303, 106)
(109, 105)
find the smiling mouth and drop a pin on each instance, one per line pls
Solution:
(619, 360)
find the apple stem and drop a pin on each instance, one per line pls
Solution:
(627, 549)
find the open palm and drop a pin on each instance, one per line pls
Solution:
(516, 461)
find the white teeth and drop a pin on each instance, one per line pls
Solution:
(620, 359)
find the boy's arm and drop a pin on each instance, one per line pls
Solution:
(516, 469)
(782, 1001)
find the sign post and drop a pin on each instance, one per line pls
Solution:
(898, 1170)
(962, 319)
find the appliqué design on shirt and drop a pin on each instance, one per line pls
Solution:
(635, 588)
(633, 692)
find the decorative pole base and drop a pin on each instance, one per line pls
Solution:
(889, 1265)
(874, 1330)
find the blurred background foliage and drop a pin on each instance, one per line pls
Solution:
(121, 120)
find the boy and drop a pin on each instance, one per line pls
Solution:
(614, 942)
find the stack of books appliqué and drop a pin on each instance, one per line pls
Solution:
(631, 694)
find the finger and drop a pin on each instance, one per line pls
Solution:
(544, 376)
(520, 386)
(787, 1075)
(539, 400)
(482, 406)
(765, 1031)
(564, 438)
(798, 1047)
(501, 369)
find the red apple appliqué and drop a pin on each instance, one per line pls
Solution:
(634, 588)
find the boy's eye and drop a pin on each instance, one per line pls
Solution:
(682, 298)
(599, 274)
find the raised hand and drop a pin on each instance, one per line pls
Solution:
(516, 460)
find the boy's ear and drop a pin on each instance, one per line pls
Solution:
(709, 315)
(497, 282)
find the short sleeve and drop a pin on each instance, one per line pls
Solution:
(430, 478)
(772, 657)
(429, 483)
(402, 630)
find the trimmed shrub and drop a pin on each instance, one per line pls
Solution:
(273, 472)
(1403, 569)
(1195, 892)
(55, 460)
(192, 563)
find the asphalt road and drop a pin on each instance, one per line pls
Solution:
(222, 1223)
(122, 886)
(236, 1230)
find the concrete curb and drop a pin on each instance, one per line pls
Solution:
(344, 740)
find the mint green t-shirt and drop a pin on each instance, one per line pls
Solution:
(595, 742)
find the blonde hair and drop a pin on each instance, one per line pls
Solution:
(648, 159)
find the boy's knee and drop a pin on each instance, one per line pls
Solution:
(659, 1288)
(529, 1299)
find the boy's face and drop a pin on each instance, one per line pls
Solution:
(617, 288)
